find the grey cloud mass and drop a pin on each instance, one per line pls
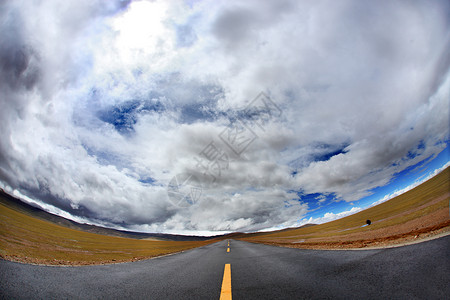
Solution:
(104, 102)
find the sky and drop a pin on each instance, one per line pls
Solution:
(206, 117)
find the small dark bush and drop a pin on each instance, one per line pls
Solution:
(368, 222)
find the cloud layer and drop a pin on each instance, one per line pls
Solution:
(104, 102)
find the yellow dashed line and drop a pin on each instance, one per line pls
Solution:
(225, 294)
(228, 249)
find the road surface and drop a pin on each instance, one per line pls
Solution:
(420, 271)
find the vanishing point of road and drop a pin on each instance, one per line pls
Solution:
(245, 271)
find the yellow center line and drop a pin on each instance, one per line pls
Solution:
(228, 249)
(225, 294)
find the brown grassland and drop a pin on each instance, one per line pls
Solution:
(27, 239)
(416, 214)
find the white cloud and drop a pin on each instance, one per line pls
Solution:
(328, 217)
(105, 101)
(411, 186)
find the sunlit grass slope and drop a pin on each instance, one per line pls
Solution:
(28, 239)
(430, 198)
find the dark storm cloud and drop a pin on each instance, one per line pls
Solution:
(239, 24)
(19, 71)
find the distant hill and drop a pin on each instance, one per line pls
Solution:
(18, 205)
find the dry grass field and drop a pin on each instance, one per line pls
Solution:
(27, 239)
(416, 214)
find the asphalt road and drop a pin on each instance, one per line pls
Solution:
(420, 271)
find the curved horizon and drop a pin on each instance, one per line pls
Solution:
(206, 117)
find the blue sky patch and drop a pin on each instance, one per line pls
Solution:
(125, 115)
(147, 180)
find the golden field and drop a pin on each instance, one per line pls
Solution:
(418, 213)
(28, 239)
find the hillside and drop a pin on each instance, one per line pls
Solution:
(16, 204)
(26, 236)
(418, 213)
